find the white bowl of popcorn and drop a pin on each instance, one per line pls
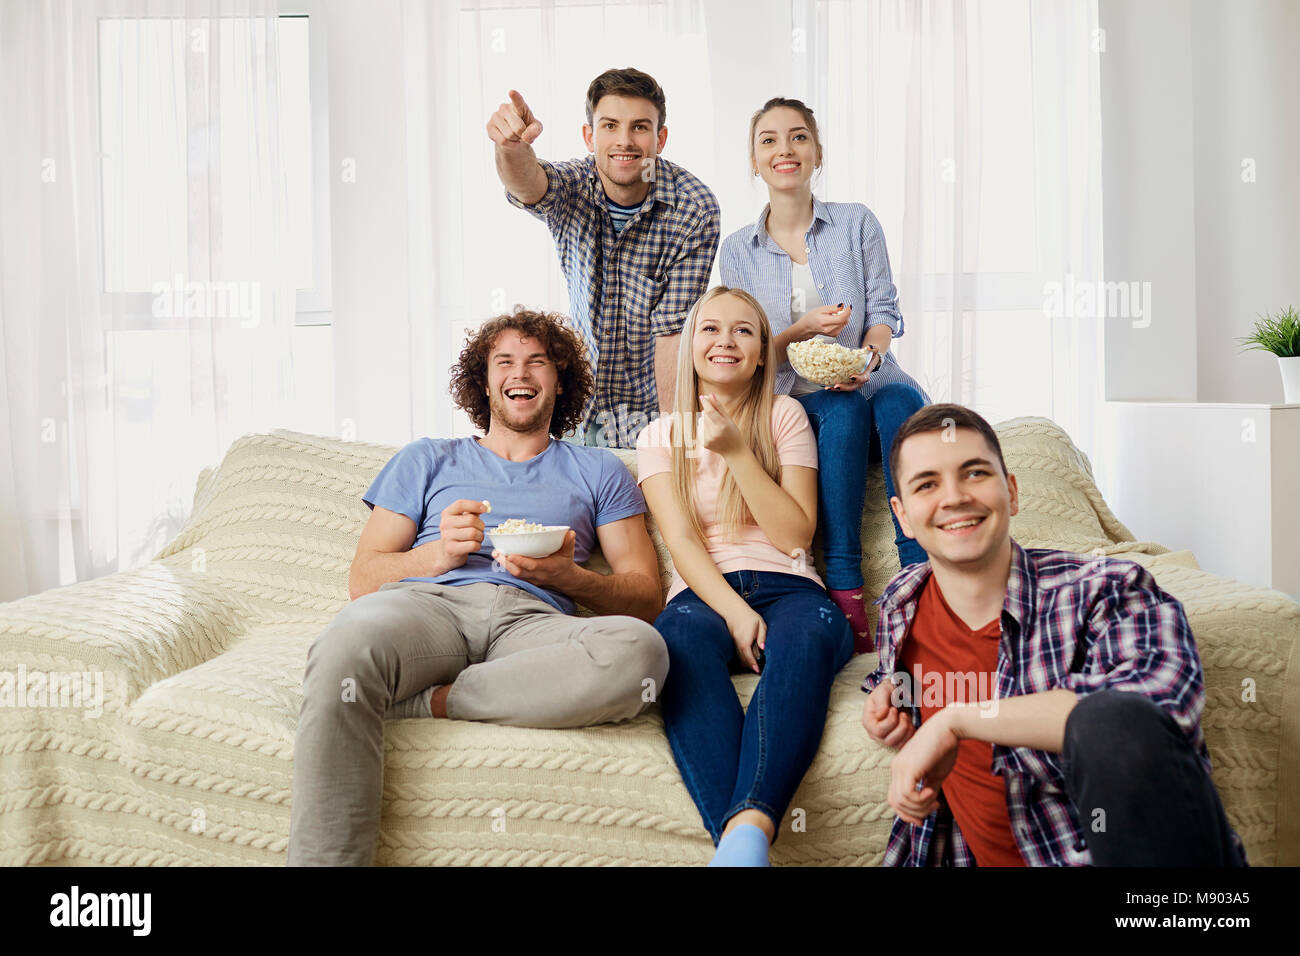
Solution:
(825, 361)
(527, 538)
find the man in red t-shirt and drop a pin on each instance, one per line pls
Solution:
(1059, 694)
(950, 662)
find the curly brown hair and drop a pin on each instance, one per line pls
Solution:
(564, 346)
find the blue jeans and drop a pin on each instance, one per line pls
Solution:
(846, 441)
(731, 760)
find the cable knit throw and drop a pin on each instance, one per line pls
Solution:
(201, 655)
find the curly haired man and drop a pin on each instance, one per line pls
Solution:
(442, 626)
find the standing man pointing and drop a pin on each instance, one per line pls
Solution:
(636, 236)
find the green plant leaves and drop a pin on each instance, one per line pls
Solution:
(1279, 334)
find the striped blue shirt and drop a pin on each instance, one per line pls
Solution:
(845, 247)
(620, 215)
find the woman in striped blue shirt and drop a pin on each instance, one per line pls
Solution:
(821, 270)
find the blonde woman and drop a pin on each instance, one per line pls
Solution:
(731, 478)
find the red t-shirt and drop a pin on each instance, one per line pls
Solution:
(941, 644)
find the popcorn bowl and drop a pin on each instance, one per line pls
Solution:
(529, 544)
(825, 362)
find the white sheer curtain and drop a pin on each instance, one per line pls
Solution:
(471, 254)
(972, 129)
(440, 293)
(148, 296)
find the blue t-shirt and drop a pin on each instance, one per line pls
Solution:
(567, 484)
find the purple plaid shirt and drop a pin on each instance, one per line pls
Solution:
(1069, 621)
(628, 287)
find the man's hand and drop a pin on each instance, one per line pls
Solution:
(920, 768)
(461, 530)
(513, 123)
(890, 725)
(553, 572)
(748, 629)
(716, 431)
(825, 320)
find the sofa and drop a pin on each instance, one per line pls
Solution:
(202, 652)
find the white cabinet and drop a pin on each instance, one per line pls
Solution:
(1220, 480)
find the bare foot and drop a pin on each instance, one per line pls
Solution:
(438, 700)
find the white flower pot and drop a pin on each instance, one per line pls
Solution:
(1290, 366)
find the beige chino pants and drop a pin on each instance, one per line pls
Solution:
(510, 658)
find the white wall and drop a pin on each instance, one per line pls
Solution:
(1191, 88)
(1246, 106)
(1147, 195)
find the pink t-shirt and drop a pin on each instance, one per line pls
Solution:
(752, 550)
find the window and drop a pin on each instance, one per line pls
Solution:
(1017, 101)
(154, 91)
(185, 122)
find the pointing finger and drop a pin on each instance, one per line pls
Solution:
(519, 103)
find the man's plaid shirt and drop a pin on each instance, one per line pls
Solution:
(1069, 621)
(626, 288)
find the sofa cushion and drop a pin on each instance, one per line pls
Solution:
(206, 761)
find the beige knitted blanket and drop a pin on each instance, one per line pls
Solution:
(201, 655)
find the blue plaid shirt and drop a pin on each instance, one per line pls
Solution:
(1069, 621)
(627, 287)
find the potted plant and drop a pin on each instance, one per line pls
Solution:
(1280, 334)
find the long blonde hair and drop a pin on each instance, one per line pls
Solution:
(753, 419)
